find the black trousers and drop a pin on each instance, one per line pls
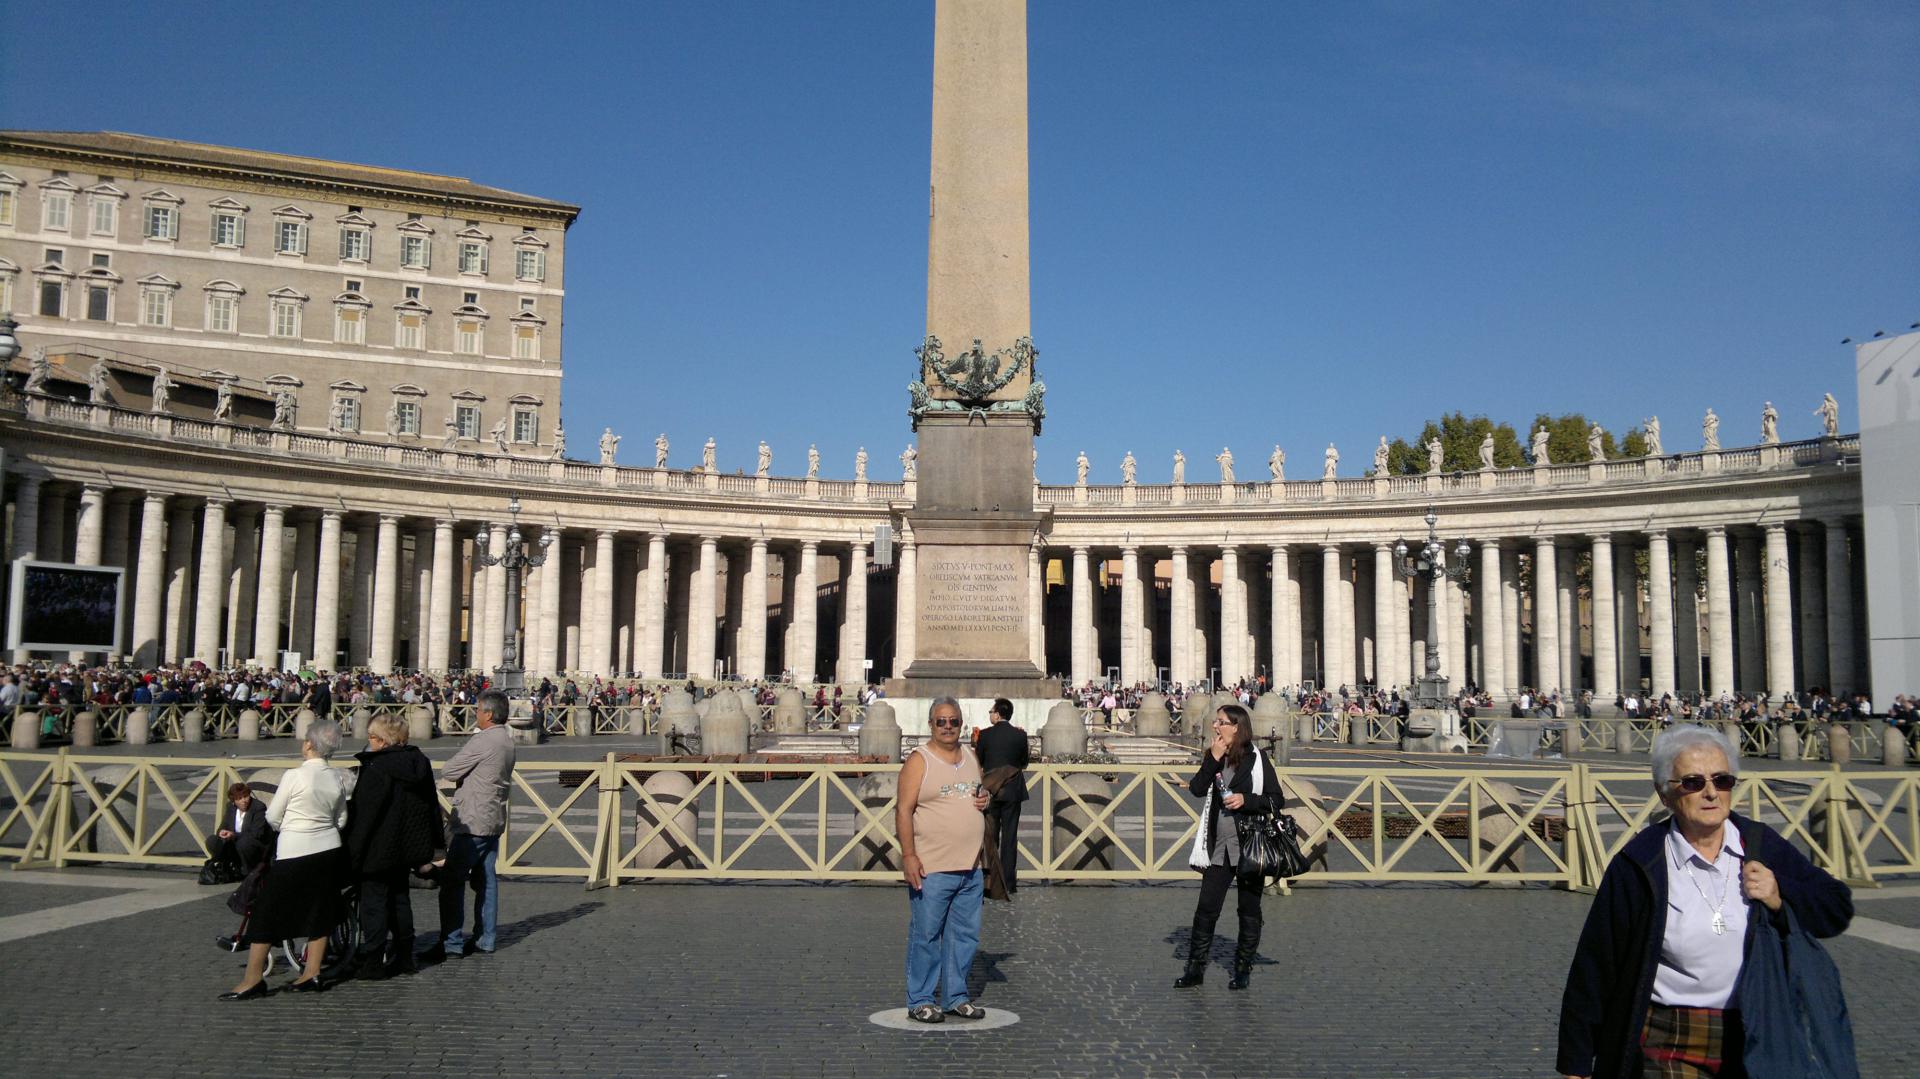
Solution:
(1006, 817)
(385, 906)
(1214, 883)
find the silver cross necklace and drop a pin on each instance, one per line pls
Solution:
(1719, 923)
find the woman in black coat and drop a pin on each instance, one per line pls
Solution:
(1235, 778)
(393, 827)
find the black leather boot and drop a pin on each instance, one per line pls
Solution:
(1199, 947)
(1244, 950)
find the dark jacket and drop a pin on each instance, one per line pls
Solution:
(393, 817)
(1004, 745)
(254, 843)
(1203, 786)
(1610, 984)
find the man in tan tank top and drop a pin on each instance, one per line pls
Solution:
(939, 817)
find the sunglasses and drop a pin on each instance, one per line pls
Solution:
(1694, 784)
(947, 722)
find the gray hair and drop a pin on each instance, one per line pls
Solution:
(1675, 740)
(938, 701)
(324, 736)
(493, 703)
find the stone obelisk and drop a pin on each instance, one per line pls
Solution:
(977, 400)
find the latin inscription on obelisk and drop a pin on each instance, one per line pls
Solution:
(973, 602)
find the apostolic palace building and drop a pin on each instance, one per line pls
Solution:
(289, 395)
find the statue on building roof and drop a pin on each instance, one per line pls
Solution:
(609, 445)
(162, 390)
(765, 460)
(1277, 463)
(1769, 425)
(1654, 448)
(1829, 413)
(1710, 433)
(660, 451)
(1129, 469)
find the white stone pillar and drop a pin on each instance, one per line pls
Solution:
(1841, 666)
(653, 636)
(446, 567)
(212, 580)
(1132, 618)
(1083, 642)
(543, 626)
(1411, 661)
(1660, 612)
(1810, 577)
(1336, 648)
(1418, 628)
(1489, 617)
(422, 579)
(1233, 617)
(1719, 615)
(1686, 619)
(150, 582)
(1389, 658)
(1567, 604)
(90, 536)
(1036, 608)
(119, 552)
(1751, 674)
(806, 622)
(596, 653)
(326, 594)
(385, 593)
(753, 613)
(243, 583)
(1779, 615)
(495, 622)
(1283, 617)
(360, 612)
(1458, 660)
(1606, 664)
(271, 587)
(180, 599)
(906, 606)
(1546, 616)
(1510, 615)
(306, 563)
(1180, 618)
(853, 623)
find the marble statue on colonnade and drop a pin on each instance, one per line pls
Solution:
(1829, 413)
(609, 446)
(1654, 449)
(1380, 457)
(1277, 464)
(97, 383)
(559, 441)
(1331, 466)
(709, 457)
(284, 407)
(1486, 451)
(499, 435)
(860, 466)
(1436, 454)
(660, 451)
(39, 370)
(1595, 449)
(1769, 425)
(1080, 469)
(1710, 433)
(813, 462)
(764, 463)
(1129, 469)
(223, 401)
(162, 389)
(1179, 468)
(909, 463)
(1540, 456)
(1225, 457)
(393, 417)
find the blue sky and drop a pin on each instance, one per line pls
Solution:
(1252, 222)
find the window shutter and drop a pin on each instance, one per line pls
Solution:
(239, 231)
(173, 224)
(300, 234)
(345, 235)
(540, 265)
(485, 258)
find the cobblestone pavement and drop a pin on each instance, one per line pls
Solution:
(778, 980)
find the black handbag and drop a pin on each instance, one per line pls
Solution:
(1269, 846)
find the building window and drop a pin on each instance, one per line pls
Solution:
(412, 292)
(97, 297)
(471, 299)
(223, 313)
(526, 425)
(466, 420)
(156, 307)
(411, 332)
(349, 408)
(526, 343)
(291, 238)
(6, 292)
(286, 318)
(530, 265)
(414, 252)
(473, 257)
(406, 418)
(163, 223)
(104, 217)
(55, 255)
(229, 229)
(356, 244)
(52, 299)
(466, 338)
(349, 325)
(102, 260)
(6, 205)
(526, 303)
(55, 207)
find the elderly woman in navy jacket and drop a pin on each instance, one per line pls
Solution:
(1652, 987)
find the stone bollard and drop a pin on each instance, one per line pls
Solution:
(667, 850)
(1786, 742)
(1151, 719)
(86, 727)
(1309, 724)
(1357, 730)
(880, 734)
(636, 719)
(1273, 721)
(677, 716)
(193, 725)
(89, 839)
(249, 726)
(301, 722)
(1196, 719)
(357, 723)
(419, 724)
(1623, 736)
(1065, 732)
(723, 730)
(877, 848)
(1497, 830)
(1840, 744)
(1303, 801)
(790, 712)
(26, 730)
(1070, 821)
(1893, 745)
(1730, 729)
(139, 727)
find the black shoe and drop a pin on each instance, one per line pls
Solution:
(1243, 954)
(226, 943)
(1196, 974)
(435, 954)
(1199, 950)
(308, 985)
(258, 990)
(1241, 975)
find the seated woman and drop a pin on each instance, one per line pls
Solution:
(244, 838)
(301, 894)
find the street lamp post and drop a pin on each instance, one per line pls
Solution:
(1430, 690)
(510, 676)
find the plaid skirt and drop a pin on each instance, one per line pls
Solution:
(1691, 1043)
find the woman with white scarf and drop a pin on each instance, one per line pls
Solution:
(1237, 780)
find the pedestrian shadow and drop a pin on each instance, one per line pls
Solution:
(1221, 954)
(514, 932)
(985, 968)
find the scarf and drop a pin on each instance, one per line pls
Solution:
(1201, 856)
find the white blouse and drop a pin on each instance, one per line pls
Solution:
(310, 808)
(1699, 967)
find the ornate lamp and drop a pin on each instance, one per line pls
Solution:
(510, 676)
(1430, 691)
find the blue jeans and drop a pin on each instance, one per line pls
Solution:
(470, 860)
(942, 936)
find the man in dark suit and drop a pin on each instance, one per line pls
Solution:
(1003, 745)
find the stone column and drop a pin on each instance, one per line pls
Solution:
(544, 629)
(89, 536)
(179, 609)
(495, 624)
(1606, 666)
(1779, 615)
(326, 594)
(446, 566)
(1751, 674)
(1457, 661)
(212, 582)
(597, 621)
(1546, 616)
(1334, 645)
(385, 593)
(306, 563)
(1719, 615)
(1510, 615)
(906, 605)
(422, 578)
(1810, 576)
(1840, 660)
(1567, 603)
(242, 583)
(360, 614)
(26, 531)
(1180, 617)
(1686, 617)
(1131, 616)
(653, 634)
(853, 622)
(272, 584)
(1660, 612)
(1388, 657)
(806, 622)
(1488, 613)
(1036, 609)
(1083, 641)
(119, 552)
(1233, 617)
(150, 583)
(753, 613)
